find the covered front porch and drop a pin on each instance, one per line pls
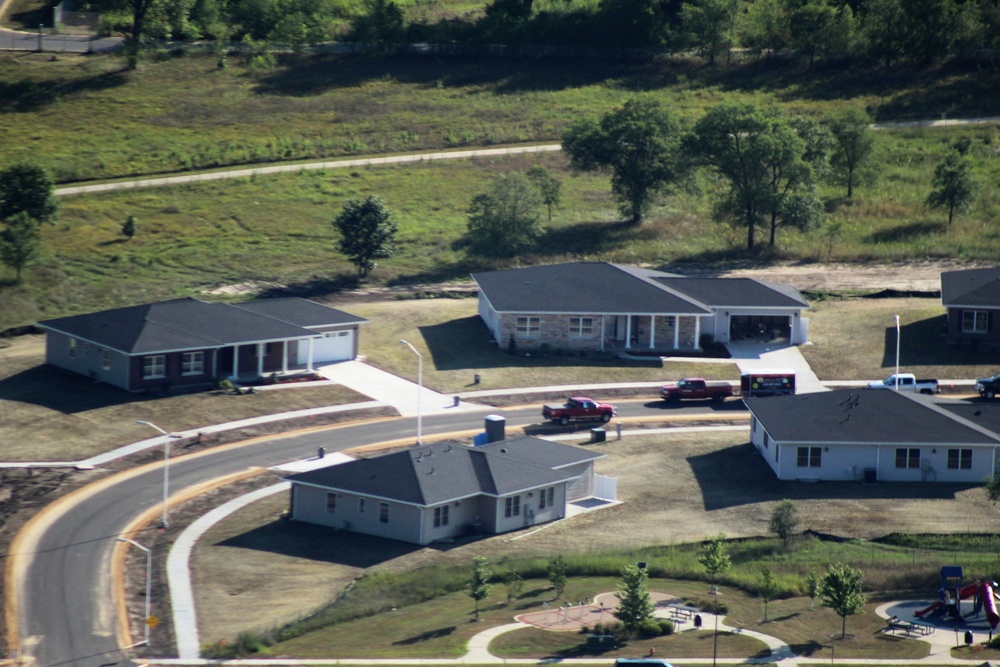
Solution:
(651, 333)
(244, 361)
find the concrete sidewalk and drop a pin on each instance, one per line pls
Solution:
(405, 396)
(754, 357)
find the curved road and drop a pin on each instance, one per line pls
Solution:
(61, 571)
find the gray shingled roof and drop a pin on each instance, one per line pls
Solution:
(737, 292)
(432, 474)
(602, 287)
(864, 416)
(971, 287)
(583, 287)
(185, 324)
(301, 312)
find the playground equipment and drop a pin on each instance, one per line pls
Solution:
(952, 593)
(987, 598)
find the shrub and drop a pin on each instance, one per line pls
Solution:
(666, 627)
(648, 629)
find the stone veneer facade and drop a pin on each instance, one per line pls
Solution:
(554, 332)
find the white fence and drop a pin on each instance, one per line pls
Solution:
(605, 488)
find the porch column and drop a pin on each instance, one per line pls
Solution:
(309, 366)
(677, 331)
(260, 358)
(602, 333)
(284, 356)
(628, 331)
(697, 332)
(236, 360)
(652, 330)
(215, 363)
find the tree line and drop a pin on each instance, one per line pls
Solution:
(878, 31)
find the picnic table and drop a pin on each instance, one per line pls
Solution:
(682, 611)
(910, 627)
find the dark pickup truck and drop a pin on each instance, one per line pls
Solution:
(695, 388)
(579, 407)
(988, 387)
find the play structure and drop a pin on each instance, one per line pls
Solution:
(952, 592)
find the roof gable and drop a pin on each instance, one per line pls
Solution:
(971, 287)
(428, 475)
(865, 416)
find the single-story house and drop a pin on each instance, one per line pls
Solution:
(875, 435)
(189, 342)
(600, 306)
(431, 492)
(972, 297)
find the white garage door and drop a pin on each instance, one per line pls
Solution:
(334, 346)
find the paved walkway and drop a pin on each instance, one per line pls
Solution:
(405, 396)
(754, 357)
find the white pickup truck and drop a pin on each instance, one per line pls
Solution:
(907, 382)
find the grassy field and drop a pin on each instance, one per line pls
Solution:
(660, 521)
(86, 117)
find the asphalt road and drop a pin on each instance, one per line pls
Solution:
(66, 611)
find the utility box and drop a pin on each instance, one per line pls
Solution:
(495, 428)
(598, 435)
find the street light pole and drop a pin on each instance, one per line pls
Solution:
(715, 636)
(897, 351)
(149, 581)
(420, 387)
(166, 465)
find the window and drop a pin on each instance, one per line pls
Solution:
(959, 459)
(72, 348)
(331, 502)
(809, 457)
(975, 321)
(193, 363)
(512, 507)
(440, 516)
(106, 360)
(528, 327)
(581, 327)
(547, 498)
(154, 366)
(383, 512)
(361, 505)
(907, 457)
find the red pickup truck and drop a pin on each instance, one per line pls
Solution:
(579, 407)
(695, 388)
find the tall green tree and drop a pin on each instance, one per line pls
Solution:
(767, 588)
(380, 26)
(635, 605)
(478, 584)
(929, 29)
(557, 575)
(714, 558)
(129, 227)
(758, 154)
(841, 591)
(504, 220)
(634, 24)
(20, 242)
(549, 187)
(367, 233)
(809, 25)
(765, 29)
(853, 144)
(784, 520)
(709, 26)
(28, 188)
(955, 185)
(639, 145)
(884, 30)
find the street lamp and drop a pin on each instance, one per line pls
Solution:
(166, 464)
(149, 580)
(897, 351)
(420, 386)
(715, 636)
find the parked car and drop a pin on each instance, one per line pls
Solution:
(988, 387)
(907, 382)
(767, 383)
(695, 388)
(579, 407)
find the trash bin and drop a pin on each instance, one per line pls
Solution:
(697, 620)
(871, 475)
(598, 435)
(968, 637)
